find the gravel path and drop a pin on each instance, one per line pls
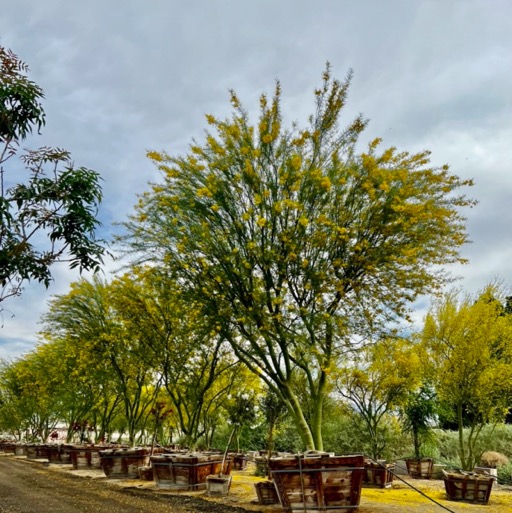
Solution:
(28, 486)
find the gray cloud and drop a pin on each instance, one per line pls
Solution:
(122, 77)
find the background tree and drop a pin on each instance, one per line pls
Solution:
(377, 382)
(470, 345)
(87, 316)
(14, 417)
(295, 243)
(197, 368)
(241, 411)
(25, 388)
(56, 201)
(419, 414)
(274, 411)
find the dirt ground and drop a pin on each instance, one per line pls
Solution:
(28, 486)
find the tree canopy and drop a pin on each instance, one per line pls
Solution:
(376, 383)
(48, 212)
(469, 341)
(294, 242)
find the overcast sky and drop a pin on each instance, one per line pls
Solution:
(124, 76)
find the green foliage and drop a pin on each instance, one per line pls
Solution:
(496, 438)
(86, 315)
(294, 243)
(505, 474)
(20, 108)
(346, 433)
(377, 381)
(30, 401)
(55, 200)
(469, 341)
(196, 366)
(287, 437)
(249, 437)
(492, 438)
(419, 414)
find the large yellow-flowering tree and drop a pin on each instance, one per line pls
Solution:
(294, 242)
(470, 344)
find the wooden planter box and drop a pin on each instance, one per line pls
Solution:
(187, 471)
(37, 452)
(261, 466)
(146, 473)
(420, 469)
(8, 447)
(54, 453)
(378, 474)
(65, 453)
(324, 483)
(266, 492)
(239, 461)
(124, 463)
(86, 456)
(468, 487)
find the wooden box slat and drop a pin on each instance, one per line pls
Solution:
(318, 484)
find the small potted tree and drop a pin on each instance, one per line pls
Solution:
(419, 412)
(240, 411)
(274, 410)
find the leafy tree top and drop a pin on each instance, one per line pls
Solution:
(50, 215)
(292, 240)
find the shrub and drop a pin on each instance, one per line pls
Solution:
(493, 459)
(505, 474)
(493, 438)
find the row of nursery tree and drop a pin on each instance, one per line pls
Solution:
(267, 261)
(136, 358)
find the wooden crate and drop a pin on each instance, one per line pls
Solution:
(124, 463)
(187, 471)
(239, 461)
(53, 453)
(8, 447)
(468, 487)
(314, 484)
(86, 456)
(420, 469)
(146, 473)
(378, 474)
(37, 451)
(266, 492)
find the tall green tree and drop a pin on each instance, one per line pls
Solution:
(29, 397)
(419, 413)
(83, 384)
(197, 367)
(294, 242)
(376, 383)
(470, 344)
(14, 416)
(48, 210)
